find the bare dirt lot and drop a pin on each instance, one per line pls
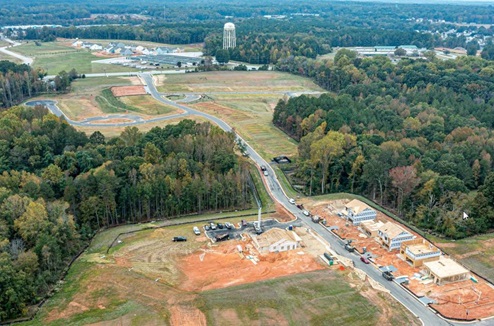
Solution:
(128, 90)
(222, 266)
(452, 300)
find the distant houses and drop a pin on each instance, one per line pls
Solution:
(123, 49)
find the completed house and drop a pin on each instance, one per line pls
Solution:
(357, 212)
(392, 235)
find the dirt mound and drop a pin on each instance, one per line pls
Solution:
(128, 90)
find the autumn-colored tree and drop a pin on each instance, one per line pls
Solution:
(404, 179)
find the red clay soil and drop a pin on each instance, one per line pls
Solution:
(128, 90)
(223, 266)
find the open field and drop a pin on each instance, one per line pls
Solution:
(56, 56)
(146, 104)
(4, 56)
(236, 81)
(147, 279)
(251, 117)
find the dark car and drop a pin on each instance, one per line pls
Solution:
(179, 239)
(207, 227)
(244, 223)
(387, 275)
(263, 168)
(220, 226)
(364, 260)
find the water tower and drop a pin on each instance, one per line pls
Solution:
(229, 40)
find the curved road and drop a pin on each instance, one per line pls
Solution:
(426, 315)
(25, 60)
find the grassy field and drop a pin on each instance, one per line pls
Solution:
(56, 56)
(236, 81)
(4, 56)
(315, 298)
(146, 104)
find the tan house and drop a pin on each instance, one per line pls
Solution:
(446, 270)
(392, 235)
(419, 251)
(276, 240)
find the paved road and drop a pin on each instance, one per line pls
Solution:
(427, 316)
(24, 59)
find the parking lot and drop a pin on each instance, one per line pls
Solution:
(238, 229)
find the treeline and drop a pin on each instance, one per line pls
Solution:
(58, 186)
(20, 82)
(171, 33)
(415, 136)
(345, 13)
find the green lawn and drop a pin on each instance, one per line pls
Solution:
(146, 104)
(315, 298)
(55, 57)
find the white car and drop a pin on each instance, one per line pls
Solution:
(292, 201)
(306, 212)
(266, 173)
(196, 230)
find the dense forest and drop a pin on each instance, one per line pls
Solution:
(416, 136)
(58, 186)
(20, 82)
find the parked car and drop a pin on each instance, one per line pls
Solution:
(387, 275)
(220, 226)
(244, 223)
(263, 168)
(306, 213)
(196, 230)
(207, 227)
(292, 201)
(179, 239)
(364, 260)
(300, 206)
(229, 225)
(266, 173)
(212, 225)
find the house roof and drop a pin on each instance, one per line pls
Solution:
(372, 225)
(274, 235)
(445, 267)
(392, 230)
(357, 206)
